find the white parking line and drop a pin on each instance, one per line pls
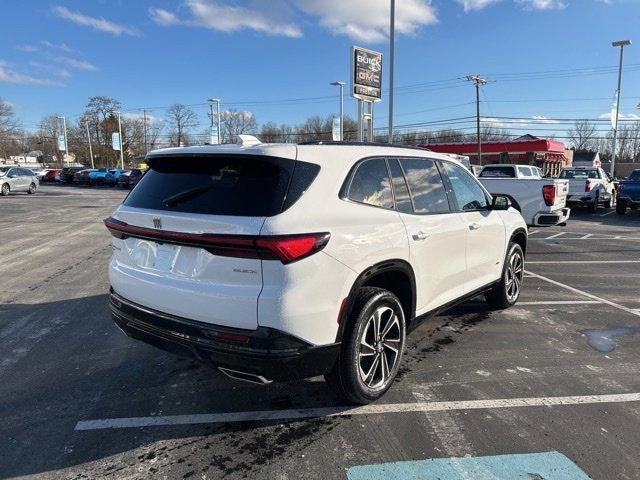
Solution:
(560, 302)
(605, 214)
(586, 294)
(552, 262)
(555, 236)
(298, 414)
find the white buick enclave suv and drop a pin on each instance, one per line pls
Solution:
(276, 262)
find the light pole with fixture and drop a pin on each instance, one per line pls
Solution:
(217, 102)
(621, 44)
(341, 85)
(392, 48)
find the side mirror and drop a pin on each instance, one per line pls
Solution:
(500, 202)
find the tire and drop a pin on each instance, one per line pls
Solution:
(32, 189)
(621, 207)
(506, 293)
(367, 366)
(593, 207)
(4, 191)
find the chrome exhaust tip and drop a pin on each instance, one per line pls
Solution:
(245, 376)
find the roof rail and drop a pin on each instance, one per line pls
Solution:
(363, 144)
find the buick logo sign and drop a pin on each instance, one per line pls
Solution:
(157, 223)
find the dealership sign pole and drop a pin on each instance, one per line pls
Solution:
(366, 87)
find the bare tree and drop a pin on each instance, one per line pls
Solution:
(180, 120)
(236, 122)
(582, 135)
(9, 129)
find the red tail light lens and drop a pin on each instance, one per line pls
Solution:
(286, 248)
(549, 194)
(587, 186)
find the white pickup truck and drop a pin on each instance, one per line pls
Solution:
(541, 201)
(589, 186)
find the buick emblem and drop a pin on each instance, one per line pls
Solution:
(157, 223)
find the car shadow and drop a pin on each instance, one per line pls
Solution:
(74, 364)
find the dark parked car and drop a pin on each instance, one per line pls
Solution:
(112, 176)
(130, 178)
(67, 173)
(83, 176)
(629, 193)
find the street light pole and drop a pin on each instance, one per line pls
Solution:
(621, 44)
(121, 142)
(392, 48)
(144, 115)
(341, 85)
(478, 81)
(217, 102)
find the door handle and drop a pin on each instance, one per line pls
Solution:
(474, 226)
(420, 236)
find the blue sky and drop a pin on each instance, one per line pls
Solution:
(152, 53)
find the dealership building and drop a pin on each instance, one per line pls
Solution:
(547, 154)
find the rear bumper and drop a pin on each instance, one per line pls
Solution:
(265, 352)
(549, 219)
(579, 199)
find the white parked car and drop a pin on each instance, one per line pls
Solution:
(542, 201)
(279, 262)
(589, 186)
(17, 179)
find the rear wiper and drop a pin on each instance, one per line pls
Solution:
(174, 200)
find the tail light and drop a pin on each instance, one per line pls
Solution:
(286, 248)
(587, 186)
(549, 194)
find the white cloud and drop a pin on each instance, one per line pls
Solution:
(541, 4)
(368, 20)
(471, 5)
(139, 116)
(27, 48)
(227, 18)
(100, 24)
(360, 20)
(60, 46)
(59, 72)
(621, 116)
(77, 64)
(8, 75)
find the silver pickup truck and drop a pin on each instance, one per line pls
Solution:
(541, 201)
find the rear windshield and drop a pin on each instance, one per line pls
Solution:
(498, 172)
(248, 186)
(635, 175)
(579, 174)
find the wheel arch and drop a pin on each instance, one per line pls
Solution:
(520, 237)
(395, 275)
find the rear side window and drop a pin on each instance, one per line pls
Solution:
(635, 175)
(524, 171)
(498, 172)
(425, 185)
(468, 194)
(248, 186)
(370, 184)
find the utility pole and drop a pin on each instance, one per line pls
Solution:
(213, 138)
(392, 48)
(478, 81)
(121, 142)
(90, 149)
(341, 85)
(144, 115)
(621, 44)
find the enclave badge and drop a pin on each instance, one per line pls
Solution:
(157, 223)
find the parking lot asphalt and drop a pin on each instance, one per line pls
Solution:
(559, 372)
